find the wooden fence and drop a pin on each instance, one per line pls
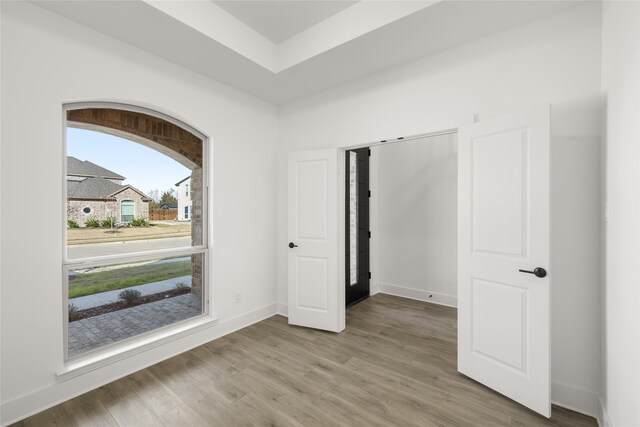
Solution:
(162, 214)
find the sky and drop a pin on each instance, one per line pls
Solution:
(144, 168)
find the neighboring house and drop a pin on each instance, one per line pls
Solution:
(94, 192)
(169, 206)
(184, 199)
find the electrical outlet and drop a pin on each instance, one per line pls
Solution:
(237, 298)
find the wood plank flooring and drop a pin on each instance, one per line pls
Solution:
(394, 365)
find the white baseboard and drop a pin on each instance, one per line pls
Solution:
(432, 297)
(24, 406)
(283, 309)
(576, 399)
(603, 415)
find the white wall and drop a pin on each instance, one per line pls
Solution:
(47, 61)
(417, 218)
(184, 199)
(555, 60)
(621, 302)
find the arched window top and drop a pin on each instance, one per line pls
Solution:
(150, 128)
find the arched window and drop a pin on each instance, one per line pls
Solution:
(123, 166)
(127, 210)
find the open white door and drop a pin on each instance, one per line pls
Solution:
(314, 300)
(503, 214)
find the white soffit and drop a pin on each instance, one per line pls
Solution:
(364, 38)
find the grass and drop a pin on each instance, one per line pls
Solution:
(93, 283)
(78, 236)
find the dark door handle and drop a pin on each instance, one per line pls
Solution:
(292, 245)
(538, 271)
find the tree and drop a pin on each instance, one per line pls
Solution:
(154, 195)
(155, 199)
(168, 198)
(158, 199)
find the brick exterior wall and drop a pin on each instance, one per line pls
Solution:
(170, 139)
(197, 229)
(160, 131)
(101, 209)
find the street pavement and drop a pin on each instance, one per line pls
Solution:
(113, 248)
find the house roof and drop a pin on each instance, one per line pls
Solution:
(86, 168)
(97, 188)
(183, 180)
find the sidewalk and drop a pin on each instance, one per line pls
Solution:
(108, 297)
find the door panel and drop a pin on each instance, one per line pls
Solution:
(503, 214)
(315, 272)
(499, 194)
(313, 237)
(312, 194)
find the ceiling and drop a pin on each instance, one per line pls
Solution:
(281, 20)
(281, 51)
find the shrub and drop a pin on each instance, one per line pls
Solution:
(129, 296)
(92, 223)
(108, 222)
(139, 222)
(71, 223)
(73, 312)
(183, 288)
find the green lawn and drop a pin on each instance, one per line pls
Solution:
(93, 283)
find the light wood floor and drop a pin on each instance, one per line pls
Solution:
(394, 365)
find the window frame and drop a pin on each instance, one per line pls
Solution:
(150, 339)
(133, 203)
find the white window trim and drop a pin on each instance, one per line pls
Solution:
(111, 353)
(133, 346)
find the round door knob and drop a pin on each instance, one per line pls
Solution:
(539, 272)
(292, 245)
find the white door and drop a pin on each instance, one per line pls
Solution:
(314, 300)
(503, 214)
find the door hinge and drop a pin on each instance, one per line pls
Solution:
(369, 152)
(369, 275)
(369, 234)
(369, 193)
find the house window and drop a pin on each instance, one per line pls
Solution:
(186, 189)
(116, 188)
(127, 210)
(186, 212)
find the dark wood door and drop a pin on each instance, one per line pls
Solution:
(357, 275)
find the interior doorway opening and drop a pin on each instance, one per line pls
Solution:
(401, 220)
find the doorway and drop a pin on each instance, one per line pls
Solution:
(414, 218)
(357, 233)
(502, 245)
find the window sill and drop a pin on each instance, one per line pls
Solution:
(90, 363)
